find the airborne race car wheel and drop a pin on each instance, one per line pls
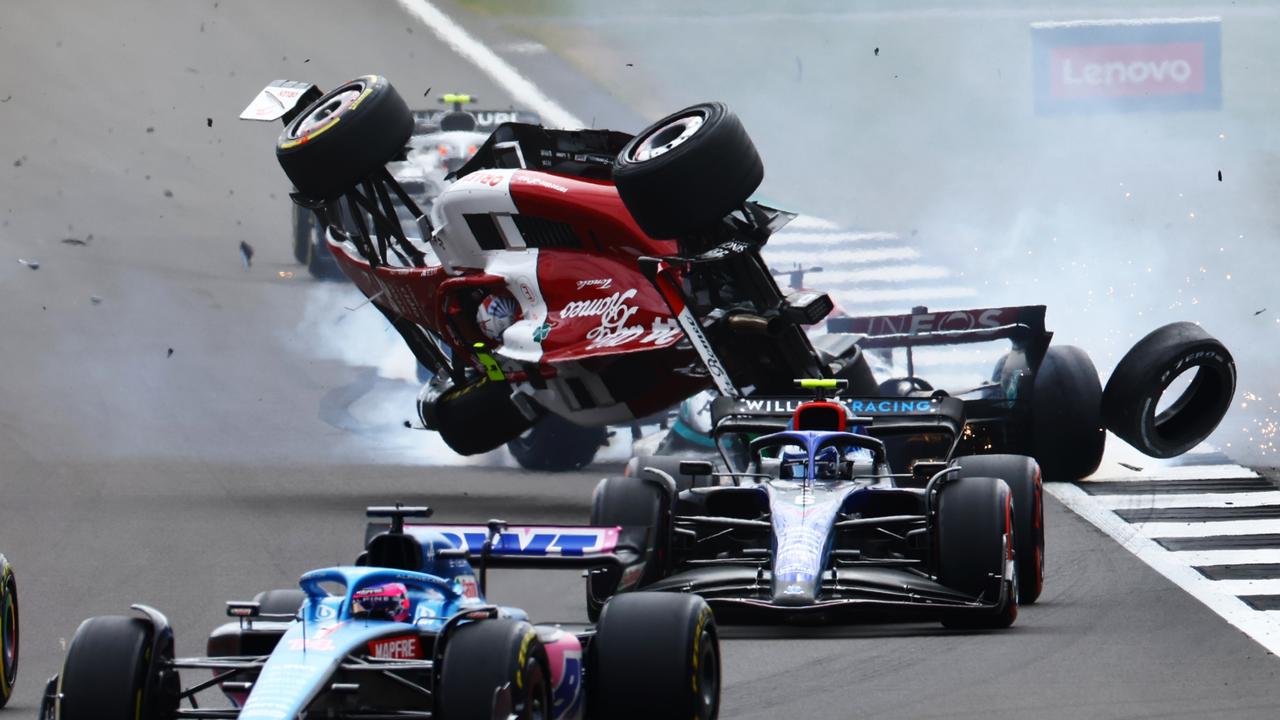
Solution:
(1067, 436)
(685, 172)
(489, 654)
(1022, 475)
(655, 655)
(340, 139)
(974, 523)
(557, 445)
(477, 417)
(1133, 393)
(8, 631)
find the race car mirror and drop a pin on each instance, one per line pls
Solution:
(281, 100)
(695, 467)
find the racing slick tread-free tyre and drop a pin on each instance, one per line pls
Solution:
(655, 655)
(1132, 397)
(626, 502)
(477, 417)
(557, 445)
(340, 139)
(8, 631)
(483, 656)
(1067, 436)
(284, 601)
(679, 177)
(974, 514)
(1022, 475)
(105, 671)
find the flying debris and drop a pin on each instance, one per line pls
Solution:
(169, 354)
(33, 264)
(77, 241)
(1134, 468)
(95, 299)
(246, 254)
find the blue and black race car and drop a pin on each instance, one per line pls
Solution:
(406, 632)
(834, 509)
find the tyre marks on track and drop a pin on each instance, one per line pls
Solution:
(1210, 526)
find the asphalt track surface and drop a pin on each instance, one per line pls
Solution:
(170, 443)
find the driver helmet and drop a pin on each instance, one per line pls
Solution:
(382, 602)
(826, 463)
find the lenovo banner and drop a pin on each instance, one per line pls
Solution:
(1124, 65)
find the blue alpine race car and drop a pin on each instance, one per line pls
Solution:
(406, 632)
(834, 509)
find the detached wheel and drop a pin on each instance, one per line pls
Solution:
(655, 655)
(557, 445)
(8, 631)
(1130, 404)
(340, 139)
(475, 418)
(1067, 436)
(974, 523)
(104, 676)
(685, 172)
(482, 657)
(626, 502)
(1022, 475)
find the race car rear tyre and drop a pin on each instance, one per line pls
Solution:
(482, 657)
(974, 518)
(655, 655)
(284, 601)
(1132, 397)
(1022, 475)
(340, 139)
(475, 418)
(8, 631)
(104, 675)
(304, 221)
(557, 445)
(1067, 436)
(682, 174)
(628, 502)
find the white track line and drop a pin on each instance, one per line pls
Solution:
(1270, 586)
(1227, 557)
(1191, 500)
(776, 255)
(500, 71)
(852, 279)
(807, 222)
(831, 238)
(911, 294)
(1206, 528)
(1172, 472)
(1262, 627)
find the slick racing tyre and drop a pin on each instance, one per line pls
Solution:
(304, 222)
(8, 631)
(1022, 475)
(655, 655)
(974, 518)
(105, 673)
(684, 173)
(1067, 436)
(486, 655)
(1131, 402)
(340, 139)
(475, 418)
(627, 502)
(557, 445)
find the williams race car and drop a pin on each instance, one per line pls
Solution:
(599, 277)
(835, 509)
(406, 632)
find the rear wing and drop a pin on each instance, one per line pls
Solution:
(1023, 325)
(524, 546)
(877, 413)
(428, 121)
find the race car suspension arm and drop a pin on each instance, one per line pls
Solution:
(660, 273)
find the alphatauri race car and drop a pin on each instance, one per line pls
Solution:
(406, 632)
(835, 508)
(598, 277)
